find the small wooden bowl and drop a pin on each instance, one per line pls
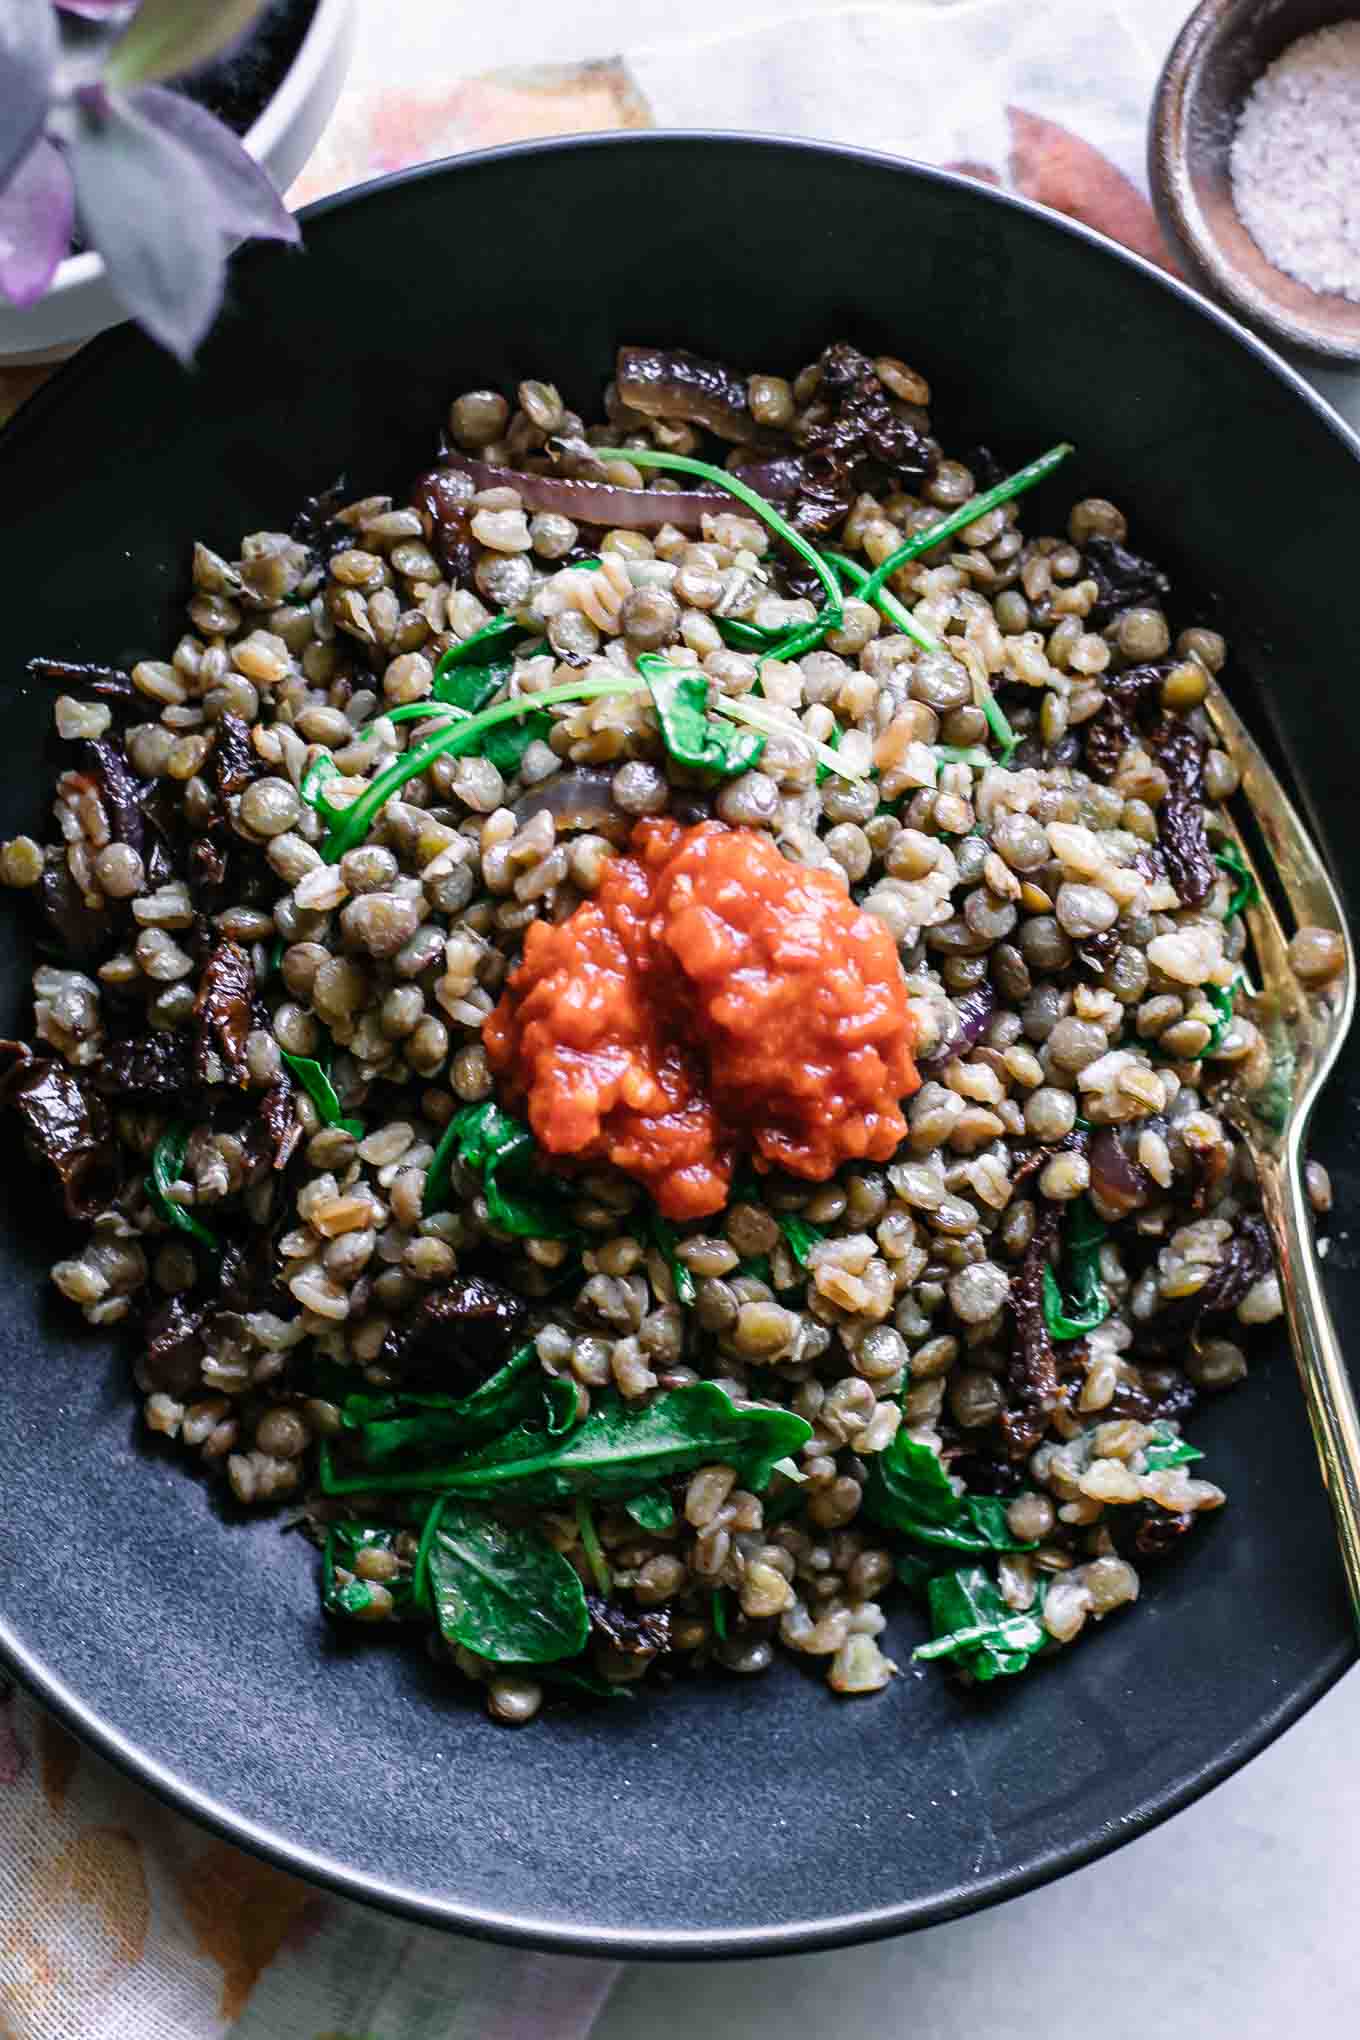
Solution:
(1217, 58)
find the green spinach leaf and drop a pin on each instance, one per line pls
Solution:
(488, 645)
(616, 1453)
(664, 1237)
(167, 1162)
(486, 1138)
(691, 735)
(654, 1510)
(593, 1549)
(974, 1625)
(1246, 892)
(506, 745)
(472, 687)
(1082, 1241)
(403, 1432)
(344, 1542)
(1168, 1448)
(802, 1237)
(503, 1592)
(908, 1490)
(315, 1079)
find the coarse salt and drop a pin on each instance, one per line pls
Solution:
(1295, 161)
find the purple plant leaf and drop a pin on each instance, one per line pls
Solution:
(28, 62)
(152, 213)
(247, 203)
(37, 209)
(97, 10)
(169, 38)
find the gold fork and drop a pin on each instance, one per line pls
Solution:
(1304, 1027)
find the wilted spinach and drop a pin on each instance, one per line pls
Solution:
(618, 1452)
(502, 1592)
(691, 735)
(664, 1237)
(1168, 1448)
(802, 1237)
(908, 1490)
(315, 1079)
(1246, 893)
(974, 1625)
(167, 1161)
(653, 1510)
(344, 1542)
(592, 1547)
(486, 1138)
(506, 745)
(1082, 1242)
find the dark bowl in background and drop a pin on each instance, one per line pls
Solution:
(730, 1817)
(1216, 59)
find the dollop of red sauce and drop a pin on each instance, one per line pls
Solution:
(711, 999)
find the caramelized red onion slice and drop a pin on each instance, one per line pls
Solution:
(594, 502)
(971, 1014)
(582, 798)
(1122, 1184)
(665, 382)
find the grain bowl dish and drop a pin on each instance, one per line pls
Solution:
(632, 1033)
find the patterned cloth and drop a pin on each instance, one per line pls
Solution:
(119, 1920)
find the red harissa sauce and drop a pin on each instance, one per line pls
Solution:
(711, 999)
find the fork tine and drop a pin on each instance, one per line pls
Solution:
(1268, 938)
(1300, 870)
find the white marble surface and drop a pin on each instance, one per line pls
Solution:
(1235, 1921)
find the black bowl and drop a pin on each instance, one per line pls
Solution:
(722, 1818)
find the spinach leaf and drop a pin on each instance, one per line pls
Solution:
(1081, 1250)
(1246, 893)
(616, 1453)
(344, 1542)
(483, 1137)
(491, 643)
(908, 1490)
(652, 1510)
(404, 1432)
(802, 1237)
(472, 687)
(315, 1079)
(501, 1592)
(974, 1625)
(1221, 998)
(593, 1549)
(506, 745)
(1168, 1449)
(663, 1237)
(167, 1161)
(691, 735)
(504, 1398)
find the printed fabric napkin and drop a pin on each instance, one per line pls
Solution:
(119, 1920)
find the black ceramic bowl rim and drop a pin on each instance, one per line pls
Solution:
(799, 1936)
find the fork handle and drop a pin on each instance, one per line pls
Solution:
(1327, 1390)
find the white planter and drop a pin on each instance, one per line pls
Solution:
(80, 303)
